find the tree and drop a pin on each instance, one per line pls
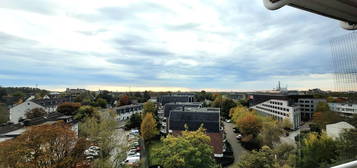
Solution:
(146, 95)
(148, 127)
(325, 117)
(48, 145)
(4, 113)
(100, 130)
(238, 112)
(347, 145)
(190, 150)
(263, 158)
(270, 133)
(317, 150)
(68, 108)
(249, 124)
(150, 107)
(101, 102)
(86, 111)
(36, 112)
(19, 96)
(124, 100)
(134, 121)
(286, 124)
(282, 156)
(225, 104)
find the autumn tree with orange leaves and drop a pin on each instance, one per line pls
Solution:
(43, 146)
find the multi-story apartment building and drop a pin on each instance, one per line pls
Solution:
(343, 108)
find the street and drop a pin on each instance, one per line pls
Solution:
(238, 150)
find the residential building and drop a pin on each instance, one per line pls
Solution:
(308, 107)
(174, 98)
(18, 112)
(48, 104)
(11, 131)
(124, 112)
(343, 108)
(168, 107)
(335, 130)
(192, 118)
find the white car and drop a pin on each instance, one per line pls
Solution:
(91, 153)
(131, 160)
(239, 136)
(133, 152)
(94, 148)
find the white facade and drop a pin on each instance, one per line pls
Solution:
(20, 110)
(334, 130)
(344, 108)
(279, 109)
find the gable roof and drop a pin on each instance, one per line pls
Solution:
(193, 120)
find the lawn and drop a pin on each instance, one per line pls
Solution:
(153, 145)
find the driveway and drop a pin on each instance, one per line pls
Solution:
(238, 150)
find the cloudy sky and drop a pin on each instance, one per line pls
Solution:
(163, 45)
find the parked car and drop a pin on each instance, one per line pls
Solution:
(228, 120)
(96, 148)
(239, 136)
(91, 153)
(236, 130)
(131, 160)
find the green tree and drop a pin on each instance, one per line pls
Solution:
(36, 112)
(347, 145)
(150, 107)
(283, 156)
(4, 113)
(225, 104)
(146, 95)
(86, 111)
(317, 150)
(263, 158)
(270, 133)
(134, 121)
(191, 150)
(148, 127)
(100, 131)
(101, 102)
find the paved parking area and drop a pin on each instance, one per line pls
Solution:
(238, 150)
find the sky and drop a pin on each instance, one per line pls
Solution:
(129, 45)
